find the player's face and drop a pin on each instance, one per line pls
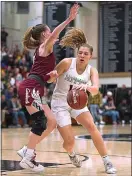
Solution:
(84, 55)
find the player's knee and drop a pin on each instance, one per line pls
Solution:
(91, 127)
(39, 123)
(52, 124)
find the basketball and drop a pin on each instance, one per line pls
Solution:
(77, 99)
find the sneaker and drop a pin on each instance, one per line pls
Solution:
(75, 160)
(96, 123)
(18, 126)
(114, 123)
(123, 121)
(109, 168)
(102, 123)
(29, 163)
(22, 151)
(25, 126)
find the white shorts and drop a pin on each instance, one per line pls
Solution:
(63, 113)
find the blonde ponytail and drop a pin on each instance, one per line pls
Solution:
(73, 38)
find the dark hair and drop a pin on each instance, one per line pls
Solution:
(31, 38)
(75, 38)
(109, 99)
(14, 96)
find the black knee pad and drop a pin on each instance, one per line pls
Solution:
(39, 123)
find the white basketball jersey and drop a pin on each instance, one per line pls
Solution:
(68, 79)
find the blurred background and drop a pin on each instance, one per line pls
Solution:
(108, 28)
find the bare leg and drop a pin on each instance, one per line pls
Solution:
(87, 121)
(68, 137)
(69, 141)
(33, 138)
(51, 124)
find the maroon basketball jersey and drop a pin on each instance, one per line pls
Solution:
(43, 65)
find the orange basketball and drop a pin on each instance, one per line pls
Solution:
(77, 99)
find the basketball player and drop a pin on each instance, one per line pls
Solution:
(31, 90)
(77, 73)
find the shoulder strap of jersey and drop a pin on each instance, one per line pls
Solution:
(89, 68)
(73, 63)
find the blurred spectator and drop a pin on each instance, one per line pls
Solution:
(4, 110)
(125, 111)
(105, 98)
(110, 110)
(28, 59)
(4, 35)
(94, 105)
(122, 94)
(11, 61)
(12, 81)
(129, 100)
(9, 93)
(3, 75)
(8, 70)
(3, 52)
(4, 57)
(18, 77)
(23, 62)
(24, 72)
(14, 108)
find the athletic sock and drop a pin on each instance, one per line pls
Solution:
(71, 154)
(106, 159)
(30, 152)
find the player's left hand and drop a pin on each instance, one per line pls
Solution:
(81, 87)
(73, 11)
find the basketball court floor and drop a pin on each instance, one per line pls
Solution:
(51, 154)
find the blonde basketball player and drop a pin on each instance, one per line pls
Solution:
(77, 73)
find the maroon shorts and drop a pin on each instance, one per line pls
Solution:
(29, 91)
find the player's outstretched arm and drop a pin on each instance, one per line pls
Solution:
(55, 34)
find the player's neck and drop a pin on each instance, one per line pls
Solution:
(80, 68)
